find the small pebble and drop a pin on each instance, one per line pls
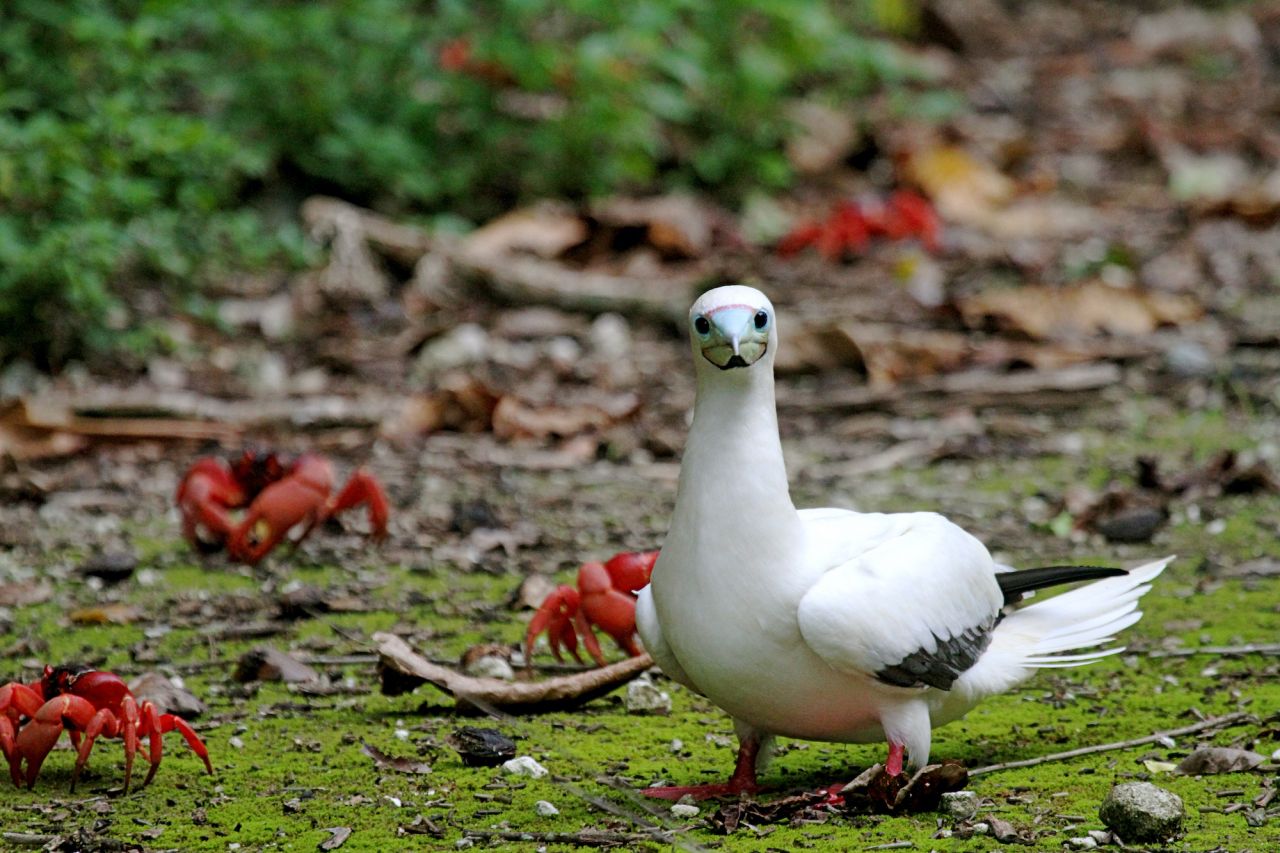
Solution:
(1101, 836)
(1275, 756)
(644, 697)
(524, 765)
(545, 809)
(491, 666)
(981, 828)
(464, 843)
(236, 743)
(685, 810)
(677, 745)
(1084, 843)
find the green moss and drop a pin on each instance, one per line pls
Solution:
(300, 768)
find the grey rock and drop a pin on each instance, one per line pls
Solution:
(545, 809)
(644, 697)
(1082, 843)
(960, 805)
(1141, 812)
(1190, 359)
(685, 810)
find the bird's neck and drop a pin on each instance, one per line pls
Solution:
(733, 480)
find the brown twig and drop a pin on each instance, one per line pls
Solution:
(27, 839)
(585, 838)
(1224, 721)
(527, 697)
(1225, 651)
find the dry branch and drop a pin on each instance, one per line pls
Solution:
(510, 277)
(1225, 721)
(585, 838)
(401, 665)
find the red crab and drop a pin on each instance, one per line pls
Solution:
(852, 224)
(89, 704)
(605, 597)
(279, 496)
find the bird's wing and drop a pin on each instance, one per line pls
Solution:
(655, 644)
(909, 599)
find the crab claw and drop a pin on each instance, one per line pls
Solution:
(607, 607)
(555, 616)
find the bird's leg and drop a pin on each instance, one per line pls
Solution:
(894, 765)
(743, 780)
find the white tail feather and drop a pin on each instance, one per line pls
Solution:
(1035, 637)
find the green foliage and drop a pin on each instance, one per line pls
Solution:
(139, 139)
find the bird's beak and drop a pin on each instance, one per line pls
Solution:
(734, 341)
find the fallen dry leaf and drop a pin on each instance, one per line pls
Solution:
(1082, 309)
(514, 418)
(1210, 760)
(963, 187)
(107, 614)
(391, 762)
(545, 230)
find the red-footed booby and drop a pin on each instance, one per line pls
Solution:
(829, 624)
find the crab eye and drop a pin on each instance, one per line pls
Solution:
(702, 325)
(762, 319)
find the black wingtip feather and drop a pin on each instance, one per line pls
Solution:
(1016, 584)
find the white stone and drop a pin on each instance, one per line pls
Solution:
(236, 743)
(1084, 843)
(466, 344)
(644, 697)
(491, 666)
(545, 809)
(524, 765)
(685, 810)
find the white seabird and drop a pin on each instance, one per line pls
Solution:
(829, 624)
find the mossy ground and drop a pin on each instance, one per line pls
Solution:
(290, 765)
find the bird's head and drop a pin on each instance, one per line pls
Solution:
(732, 327)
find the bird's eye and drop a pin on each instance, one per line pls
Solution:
(702, 325)
(762, 319)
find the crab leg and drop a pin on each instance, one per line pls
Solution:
(155, 725)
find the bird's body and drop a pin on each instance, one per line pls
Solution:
(828, 624)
